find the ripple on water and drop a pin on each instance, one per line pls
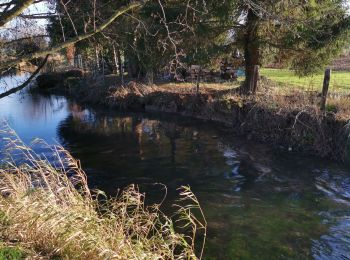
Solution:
(336, 243)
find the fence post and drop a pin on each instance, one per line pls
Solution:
(326, 80)
(198, 80)
(254, 83)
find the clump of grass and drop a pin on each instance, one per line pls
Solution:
(49, 209)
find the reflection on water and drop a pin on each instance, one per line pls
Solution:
(259, 204)
(12, 80)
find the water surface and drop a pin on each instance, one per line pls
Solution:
(259, 203)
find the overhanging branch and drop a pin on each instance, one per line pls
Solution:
(23, 85)
(19, 7)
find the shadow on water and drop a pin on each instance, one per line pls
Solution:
(259, 203)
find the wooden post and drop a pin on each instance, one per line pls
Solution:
(254, 80)
(326, 80)
(195, 75)
(115, 58)
(198, 80)
(120, 66)
(97, 58)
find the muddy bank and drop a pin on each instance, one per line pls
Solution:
(283, 121)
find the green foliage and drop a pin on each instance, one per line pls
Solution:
(331, 108)
(319, 32)
(302, 35)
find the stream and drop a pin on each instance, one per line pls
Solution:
(260, 203)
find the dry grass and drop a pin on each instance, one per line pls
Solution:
(270, 96)
(47, 209)
(140, 89)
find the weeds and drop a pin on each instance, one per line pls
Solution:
(49, 208)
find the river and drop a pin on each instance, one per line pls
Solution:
(260, 203)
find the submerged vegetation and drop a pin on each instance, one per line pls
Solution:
(48, 210)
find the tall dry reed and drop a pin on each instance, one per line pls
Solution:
(47, 207)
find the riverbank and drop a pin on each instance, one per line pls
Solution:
(47, 211)
(287, 120)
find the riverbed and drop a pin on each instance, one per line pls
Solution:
(260, 203)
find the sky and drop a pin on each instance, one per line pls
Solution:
(19, 27)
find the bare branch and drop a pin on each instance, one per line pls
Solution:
(37, 16)
(15, 11)
(76, 39)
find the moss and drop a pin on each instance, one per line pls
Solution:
(262, 231)
(11, 253)
(331, 108)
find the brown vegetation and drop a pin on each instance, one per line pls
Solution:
(342, 63)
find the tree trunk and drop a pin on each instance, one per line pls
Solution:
(150, 77)
(70, 54)
(251, 50)
(115, 59)
(120, 66)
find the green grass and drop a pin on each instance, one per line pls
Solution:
(11, 253)
(340, 80)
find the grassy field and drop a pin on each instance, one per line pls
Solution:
(340, 80)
